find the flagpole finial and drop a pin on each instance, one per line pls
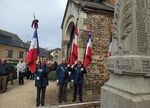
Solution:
(35, 22)
(34, 15)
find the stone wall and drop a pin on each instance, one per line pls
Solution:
(4, 52)
(101, 26)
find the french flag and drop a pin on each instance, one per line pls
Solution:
(32, 53)
(88, 55)
(74, 53)
(110, 47)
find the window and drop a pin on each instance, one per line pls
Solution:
(21, 54)
(56, 57)
(10, 53)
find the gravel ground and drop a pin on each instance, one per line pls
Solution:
(24, 96)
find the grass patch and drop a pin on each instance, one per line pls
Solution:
(52, 76)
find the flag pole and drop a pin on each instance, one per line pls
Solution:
(87, 30)
(35, 26)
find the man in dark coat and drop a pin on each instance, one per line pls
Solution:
(4, 71)
(62, 76)
(77, 77)
(11, 72)
(41, 81)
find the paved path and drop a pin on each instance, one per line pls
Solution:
(23, 96)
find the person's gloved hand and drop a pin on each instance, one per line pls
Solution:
(38, 78)
(57, 81)
(69, 73)
(68, 65)
(72, 81)
(82, 69)
(72, 66)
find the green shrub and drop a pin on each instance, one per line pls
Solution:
(52, 76)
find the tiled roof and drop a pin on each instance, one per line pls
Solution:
(10, 39)
(56, 49)
(95, 5)
(85, 4)
(43, 52)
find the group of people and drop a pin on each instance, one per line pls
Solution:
(64, 74)
(8, 72)
(75, 74)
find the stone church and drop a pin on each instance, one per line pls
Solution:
(96, 15)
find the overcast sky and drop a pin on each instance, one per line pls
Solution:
(16, 17)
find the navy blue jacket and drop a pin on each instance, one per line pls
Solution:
(4, 69)
(62, 74)
(77, 74)
(43, 76)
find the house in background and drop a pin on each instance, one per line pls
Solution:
(11, 46)
(43, 52)
(55, 55)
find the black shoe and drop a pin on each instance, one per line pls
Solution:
(60, 101)
(3, 91)
(37, 105)
(42, 104)
(81, 100)
(73, 100)
(64, 100)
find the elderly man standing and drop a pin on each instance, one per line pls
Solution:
(62, 76)
(21, 69)
(77, 77)
(4, 71)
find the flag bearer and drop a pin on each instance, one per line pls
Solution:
(41, 81)
(62, 76)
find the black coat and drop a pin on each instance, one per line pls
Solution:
(77, 74)
(4, 69)
(43, 76)
(62, 74)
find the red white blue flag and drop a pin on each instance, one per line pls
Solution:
(88, 54)
(32, 53)
(74, 53)
(110, 47)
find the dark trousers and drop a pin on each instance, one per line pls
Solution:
(21, 81)
(31, 76)
(77, 88)
(3, 83)
(62, 92)
(10, 78)
(28, 75)
(40, 95)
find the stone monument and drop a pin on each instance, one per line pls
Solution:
(129, 65)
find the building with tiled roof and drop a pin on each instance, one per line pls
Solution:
(55, 55)
(97, 16)
(43, 52)
(11, 46)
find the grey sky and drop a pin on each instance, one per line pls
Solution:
(16, 16)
